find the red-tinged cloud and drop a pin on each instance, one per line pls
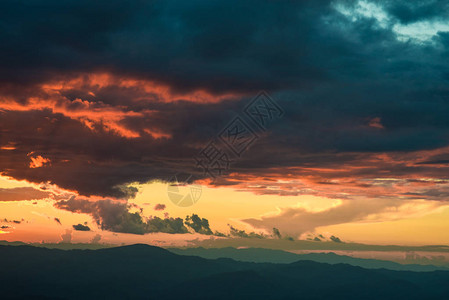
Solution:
(120, 95)
(138, 133)
(102, 100)
(38, 161)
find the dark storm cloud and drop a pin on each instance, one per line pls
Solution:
(89, 162)
(215, 45)
(45, 37)
(413, 11)
(116, 216)
(108, 214)
(349, 87)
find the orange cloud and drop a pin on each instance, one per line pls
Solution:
(38, 161)
(94, 111)
(146, 89)
(394, 175)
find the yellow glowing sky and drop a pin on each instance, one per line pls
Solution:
(221, 206)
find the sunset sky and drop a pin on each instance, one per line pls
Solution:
(103, 103)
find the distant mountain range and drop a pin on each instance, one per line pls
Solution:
(147, 272)
(261, 255)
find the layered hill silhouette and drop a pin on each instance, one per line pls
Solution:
(261, 255)
(146, 272)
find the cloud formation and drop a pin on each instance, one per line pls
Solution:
(22, 193)
(130, 92)
(81, 227)
(116, 216)
(66, 237)
(159, 206)
(298, 220)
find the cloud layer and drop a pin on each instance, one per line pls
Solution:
(94, 96)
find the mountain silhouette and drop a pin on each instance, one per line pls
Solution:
(262, 255)
(147, 272)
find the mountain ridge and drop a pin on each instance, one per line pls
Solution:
(280, 256)
(148, 272)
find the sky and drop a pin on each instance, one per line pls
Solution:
(313, 117)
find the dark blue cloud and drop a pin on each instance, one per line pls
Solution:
(215, 45)
(348, 86)
(414, 11)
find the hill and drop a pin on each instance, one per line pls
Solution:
(261, 255)
(146, 272)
